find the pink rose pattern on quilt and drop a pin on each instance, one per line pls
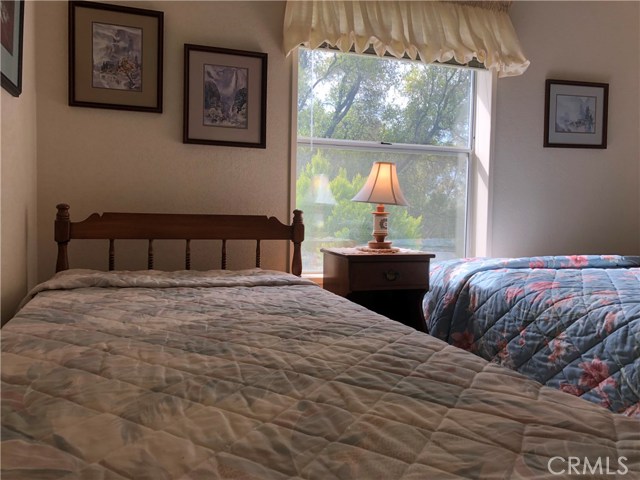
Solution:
(570, 322)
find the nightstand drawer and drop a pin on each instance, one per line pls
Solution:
(389, 275)
(391, 284)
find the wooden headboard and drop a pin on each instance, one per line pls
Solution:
(160, 226)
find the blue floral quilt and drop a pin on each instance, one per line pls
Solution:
(569, 322)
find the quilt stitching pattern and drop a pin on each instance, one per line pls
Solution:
(264, 382)
(569, 322)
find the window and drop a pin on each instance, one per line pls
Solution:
(354, 110)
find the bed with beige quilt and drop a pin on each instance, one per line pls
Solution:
(258, 374)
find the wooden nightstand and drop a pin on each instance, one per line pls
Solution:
(391, 284)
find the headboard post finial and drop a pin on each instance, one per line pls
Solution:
(63, 211)
(297, 237)
(62, 234)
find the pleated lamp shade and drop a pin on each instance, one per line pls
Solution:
(382, 186)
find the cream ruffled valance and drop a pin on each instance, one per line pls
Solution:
(427, 30)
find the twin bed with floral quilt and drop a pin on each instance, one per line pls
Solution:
(569, 322)
(257, 374)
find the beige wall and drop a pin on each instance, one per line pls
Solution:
(565, 200)
(18, 172)
(112, 160)
(544, 200)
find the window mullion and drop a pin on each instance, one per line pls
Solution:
(380, 146)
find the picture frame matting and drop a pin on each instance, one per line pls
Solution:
(115, 57)
(576, 114)
(225, 97)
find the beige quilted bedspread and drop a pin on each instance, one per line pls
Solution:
(261, 375)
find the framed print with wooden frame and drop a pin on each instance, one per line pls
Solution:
(225, 97)
(11, 40)
(115, 57)
(576, 114)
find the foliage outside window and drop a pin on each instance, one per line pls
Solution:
(354, 110)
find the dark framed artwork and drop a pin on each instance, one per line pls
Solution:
(11, 43)
(225, 97)
(576, 114)
(115, 57)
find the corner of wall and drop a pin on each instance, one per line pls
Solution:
(18, 178)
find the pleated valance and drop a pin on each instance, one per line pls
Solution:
(430, 31)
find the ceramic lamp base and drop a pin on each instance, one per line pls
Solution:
(379, 245)
(380, 229)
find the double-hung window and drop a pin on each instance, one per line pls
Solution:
(354, 110)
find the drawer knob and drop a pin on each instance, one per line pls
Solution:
(391, 275)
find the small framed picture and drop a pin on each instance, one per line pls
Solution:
(11, 42)
(115, 57)
(576, 114)
(225, 97)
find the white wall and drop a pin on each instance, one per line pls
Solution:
(565, 200)
(112, 160)
(18, 172)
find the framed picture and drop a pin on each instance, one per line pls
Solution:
(576, 114)
(115, 57)
(11, 42)
(225, 97)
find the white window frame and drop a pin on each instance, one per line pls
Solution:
(480, 188)
(479, 176)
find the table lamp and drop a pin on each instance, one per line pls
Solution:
(382, 187)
